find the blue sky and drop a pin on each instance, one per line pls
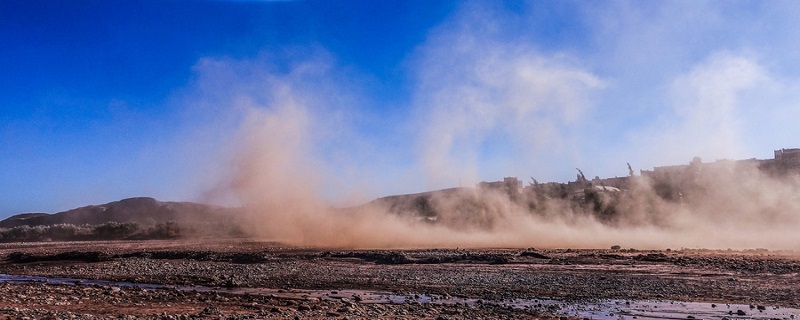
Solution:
(106, 100)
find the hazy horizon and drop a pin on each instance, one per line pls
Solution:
(526, 184)
(363, 100)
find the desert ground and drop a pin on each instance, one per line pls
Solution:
(251, 279)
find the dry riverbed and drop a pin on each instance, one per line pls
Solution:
(252, 279)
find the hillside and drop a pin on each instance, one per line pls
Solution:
(142, 211)
(419, 204)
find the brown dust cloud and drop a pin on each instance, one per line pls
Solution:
(277, 178)
(306, 172)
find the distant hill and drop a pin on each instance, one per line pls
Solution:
(143, 211)
(418, 204)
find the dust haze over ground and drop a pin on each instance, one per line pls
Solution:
(298, 155)
(279, 177)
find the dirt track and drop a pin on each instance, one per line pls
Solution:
(488, 279)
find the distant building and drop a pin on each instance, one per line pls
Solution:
(615, 182)
(786, 161)
(673, 182)
(787, 155)
(510, 185)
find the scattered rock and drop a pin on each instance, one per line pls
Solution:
(533, 254)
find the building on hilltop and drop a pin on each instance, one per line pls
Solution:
(510, 185)
(674, 182)
(787, 155)
(786, 161)
(620, 183)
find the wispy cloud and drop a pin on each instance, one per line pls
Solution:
(707, 111)
(476, 88)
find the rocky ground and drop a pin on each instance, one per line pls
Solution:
(251, 279)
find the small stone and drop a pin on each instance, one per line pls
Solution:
(345, 310)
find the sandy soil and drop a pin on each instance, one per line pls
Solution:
(253, 279)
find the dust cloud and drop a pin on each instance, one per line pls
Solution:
(724, 204)
(476, 92)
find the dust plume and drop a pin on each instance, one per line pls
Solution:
(477, 90)
(281, 177)
(479, 97)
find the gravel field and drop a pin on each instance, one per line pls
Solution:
(305, 282)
